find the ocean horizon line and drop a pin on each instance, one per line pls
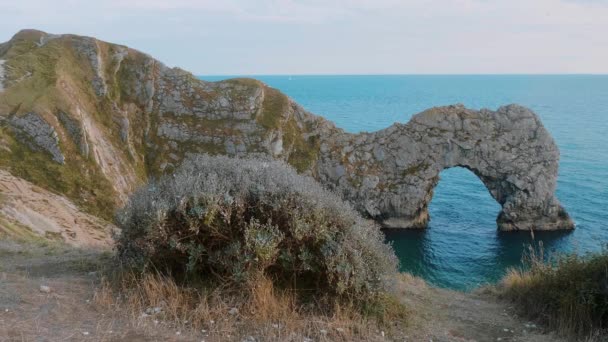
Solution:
(398, 74)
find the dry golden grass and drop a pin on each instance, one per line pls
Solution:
(567, 293)
(260, 311)
(515, 278)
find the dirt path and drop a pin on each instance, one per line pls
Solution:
(67, 312)
(444, 315)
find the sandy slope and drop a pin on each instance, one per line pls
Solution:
(25, 207)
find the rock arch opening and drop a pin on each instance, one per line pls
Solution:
(460, 200)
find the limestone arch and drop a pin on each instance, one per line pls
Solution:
(509, 150)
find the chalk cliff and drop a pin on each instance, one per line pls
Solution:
(92, 121)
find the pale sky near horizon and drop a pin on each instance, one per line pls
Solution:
(239, 37)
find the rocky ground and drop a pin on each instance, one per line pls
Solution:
(47, 294)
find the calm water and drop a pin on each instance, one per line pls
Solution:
(462, 248)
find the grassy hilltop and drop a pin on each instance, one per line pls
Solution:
(112, 117)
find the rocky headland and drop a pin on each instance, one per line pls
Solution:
(93, 121)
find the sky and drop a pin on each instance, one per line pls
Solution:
(292, 37)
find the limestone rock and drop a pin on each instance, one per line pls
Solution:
(89, 48)
(508, 149)
(34, 131)
(140, 119)
(2, 74)
(76, 131)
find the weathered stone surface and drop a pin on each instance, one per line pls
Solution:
(34, 131)
(508, 149)
(2, 75)
(90, 50)
(76, 131)
(140, 119)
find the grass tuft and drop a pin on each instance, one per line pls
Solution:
(567, 293)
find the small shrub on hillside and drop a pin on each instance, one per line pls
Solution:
(569, 295)
(235, 221)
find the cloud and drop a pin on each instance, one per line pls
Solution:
(338, 36)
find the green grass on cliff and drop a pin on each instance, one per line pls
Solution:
(33, 75)
(16, 231)
(56, 77)
(45, 80)
(276, 115)
(274, 108)
(304, 151)
(78, 179)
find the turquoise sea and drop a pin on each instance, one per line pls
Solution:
(462, 249)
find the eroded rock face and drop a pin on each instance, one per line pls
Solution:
(89, 49)
(140, 120)
(390, 174)
(34, 131)
(76, 131)
(1, 75)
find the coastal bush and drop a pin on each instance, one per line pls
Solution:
(236, 221)
(568, 294)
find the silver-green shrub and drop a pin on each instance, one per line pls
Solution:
(233, 220)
